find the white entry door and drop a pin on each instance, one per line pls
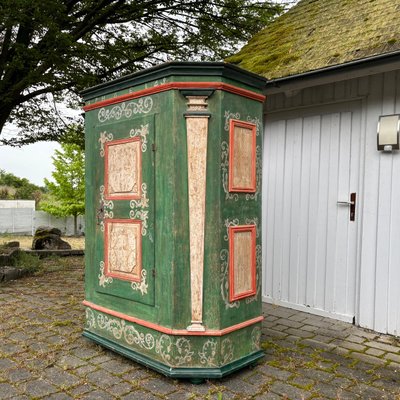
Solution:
(311, 162)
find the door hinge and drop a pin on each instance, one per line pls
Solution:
(153, 147)
(153, 272)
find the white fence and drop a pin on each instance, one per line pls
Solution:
(26, 220)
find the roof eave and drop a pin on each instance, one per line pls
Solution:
(352, 69)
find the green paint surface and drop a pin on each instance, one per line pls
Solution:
(163, 296)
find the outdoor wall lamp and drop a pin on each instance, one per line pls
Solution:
(388, 132)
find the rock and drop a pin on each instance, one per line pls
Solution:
(47, 238)
(46, 230)
(11, 245)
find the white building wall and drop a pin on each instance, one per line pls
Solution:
(26, 220)
(376, 279)
(17, 204)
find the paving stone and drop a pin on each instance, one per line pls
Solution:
(179, 395)
(268, 396)
(86, 369)
(117, 366)
(290, 391)
(394, 365)
(302, 382)
(270, 318)
(350, 345)
(368, 392)
(327, 391)
(300, 333)
(59, 377)
(355, 339)
(383, 346)
(323, 339)
(346, 395)
(275, 372)
(159, 386)
(100, 359)
(239, 386)
(59, 396)
(17, 375)
(393, 357)
(120, 389)
(290, 323)
(81, 389)
(86, 352)
(136, 374)
(318, 345)
(317, 375)
(7, 391)
(374, 352)
(272, 333)
(368, 359)
(102, 379)
(140, 395)
(39, 388)
(300, 317)
(341, 383)
(310, 328)
(258, 379)
(70, 361)
(99, 395)
(5, 363)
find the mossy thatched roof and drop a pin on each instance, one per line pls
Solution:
(319, 33)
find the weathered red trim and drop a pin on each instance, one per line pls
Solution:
(169, 331)
(232, 124)
(116, 274)
(233, 295)
(177, 86)
(108, 196)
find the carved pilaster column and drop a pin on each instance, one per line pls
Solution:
(197, 130)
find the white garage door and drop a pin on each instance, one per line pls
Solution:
(311, 162)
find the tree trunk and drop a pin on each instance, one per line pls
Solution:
(75, 225)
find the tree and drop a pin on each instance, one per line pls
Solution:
(50, 50)
(67, 192)
(22, 189)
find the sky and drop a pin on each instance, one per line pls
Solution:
(32, 161)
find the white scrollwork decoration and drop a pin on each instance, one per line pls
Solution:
(103, 279)
(228, 223)
(103, 139)
(174, 354)
(224, 269)
(228, 116)
(90, 318)
(256, 121)
(226, 351)
(256, 338)
(208, 353)
(161, 82)
(184, 352)
(120, 329)
(142, 106)
(137, 209)
(225, 172)
(164, 347)
(142, 285)
(106, 207)
(143, 131)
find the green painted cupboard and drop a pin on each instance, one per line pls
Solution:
(173, 217)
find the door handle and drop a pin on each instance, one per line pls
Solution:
(351, 203)
(345, 203)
